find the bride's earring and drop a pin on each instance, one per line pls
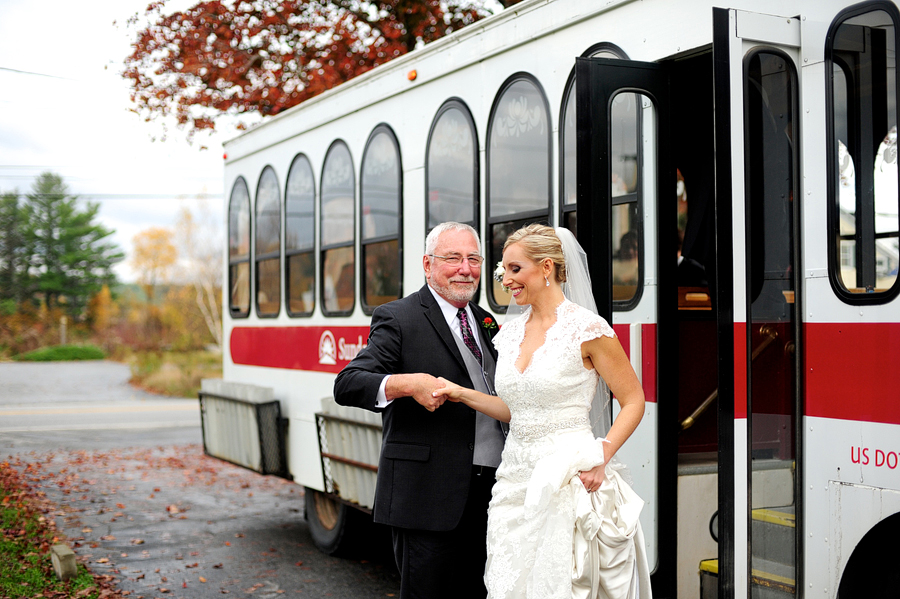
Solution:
(546, 280)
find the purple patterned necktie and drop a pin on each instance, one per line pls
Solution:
(467, 336)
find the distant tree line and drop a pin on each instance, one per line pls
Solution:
(53, 252)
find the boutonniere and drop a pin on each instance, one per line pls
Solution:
(488, 323)
(499, 273)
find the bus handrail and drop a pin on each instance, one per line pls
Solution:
(770, 335)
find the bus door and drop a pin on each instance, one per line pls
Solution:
(757, 201)
(723, 280)
(625, 188)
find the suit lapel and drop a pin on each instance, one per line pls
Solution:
(434, 315)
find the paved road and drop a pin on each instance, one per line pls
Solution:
(138, 499)
(63, 382)
(87, 402)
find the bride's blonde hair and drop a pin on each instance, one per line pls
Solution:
(540, 242)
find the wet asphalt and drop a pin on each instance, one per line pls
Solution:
(145, 505)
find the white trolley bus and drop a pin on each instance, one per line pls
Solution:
(731, 172)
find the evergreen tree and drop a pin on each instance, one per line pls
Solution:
(70, 255)
(12, 251)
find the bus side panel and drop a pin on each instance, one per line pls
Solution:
(852, 480)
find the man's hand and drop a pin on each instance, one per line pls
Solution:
(419, 386)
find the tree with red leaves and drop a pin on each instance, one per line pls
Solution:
(238, 57)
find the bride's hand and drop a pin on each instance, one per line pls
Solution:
(593, 478)
(449, 390)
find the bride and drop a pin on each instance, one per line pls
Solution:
(562, 522)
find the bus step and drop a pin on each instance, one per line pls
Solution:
(773, 534)
(767, 580)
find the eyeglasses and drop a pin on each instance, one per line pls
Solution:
(456, 260)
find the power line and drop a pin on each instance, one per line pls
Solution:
(20, 72)
(127, 196)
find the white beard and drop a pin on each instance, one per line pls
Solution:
(455, 295)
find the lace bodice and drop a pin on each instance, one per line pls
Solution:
(555, 390)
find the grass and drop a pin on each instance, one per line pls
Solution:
(58, 353)
(176, 374)
(26, 536)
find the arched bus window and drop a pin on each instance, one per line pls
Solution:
(299, 238)
(380, 193)
(518, 169)
(338, 258)
(451, 167)
(860, 53)
(627, 234)
(239, 249)
(268, 244)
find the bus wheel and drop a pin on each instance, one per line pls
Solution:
(332, 524)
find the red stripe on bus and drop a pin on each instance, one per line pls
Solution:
(328, 349)
(648, 354)
(623, 332)
(648, 361)
(740, 370)
(853, 371)
(321, 349)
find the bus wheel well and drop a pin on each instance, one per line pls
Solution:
(872, 569)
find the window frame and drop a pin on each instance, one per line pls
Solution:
(271, 255)
(458, 104)
(240, 180)
(381, 128)
(833, 194)
(323, 249)
(565, 208)
(289, 253)
(543, 215)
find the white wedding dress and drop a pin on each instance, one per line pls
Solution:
(543, 526)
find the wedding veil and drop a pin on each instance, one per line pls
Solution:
(577, 289)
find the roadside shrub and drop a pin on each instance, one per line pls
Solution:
(176, 374)
(59, 353)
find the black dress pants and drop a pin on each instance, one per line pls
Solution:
(448, 564)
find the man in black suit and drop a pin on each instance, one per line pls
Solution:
(438, 460)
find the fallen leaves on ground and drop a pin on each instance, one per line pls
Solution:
(100, 487)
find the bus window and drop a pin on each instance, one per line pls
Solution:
(771, 166)
(451, 172)
(338, 258)
(299, 238)
(518, 165)
(863, 190)
(624, 181)
(380, 195)
(268, 244)
(239, 249)
(625, 187)
(569, 160)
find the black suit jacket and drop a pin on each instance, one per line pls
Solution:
(426, 457)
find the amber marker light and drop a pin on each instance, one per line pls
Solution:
(412, 75)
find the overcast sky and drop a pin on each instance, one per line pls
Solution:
(64, 108)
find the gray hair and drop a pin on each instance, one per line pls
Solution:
(432, 239)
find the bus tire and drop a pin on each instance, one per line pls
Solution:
(334, 526)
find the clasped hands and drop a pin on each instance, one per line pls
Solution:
(431, 392)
